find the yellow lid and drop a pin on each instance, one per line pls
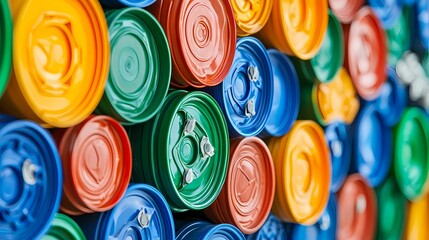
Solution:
(61, 60)
(418, 217)
(251, 16)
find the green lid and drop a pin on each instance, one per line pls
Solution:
(6, 36)
(63, 227)
(391, 211)
(411, 159)
(326, 63)
(399, 37)
(425, 63)
(184, 150)
(140, 66)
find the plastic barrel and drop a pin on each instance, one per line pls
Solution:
(97, 163)
(366, 53)
(387, 11)
(31, 180)
(329, 102)
(183, 151)
(392, 212)
(6, 37)
(61, 61)
(202, 38)
(372, 146)
(417, 217)
(140, 67)
(296, 27)
(250, 16)
(411, 157)
(63, 227)
(126, 3)
(246, 94)
(142, 213)
(423, 22)
(399, 36)
(285, 105)
(303, 173)
(324, 66)
(357, 210)
(339, 141)
(247, 195)
(324, 229)
(206, 231)
(273, 229)
(345, 10)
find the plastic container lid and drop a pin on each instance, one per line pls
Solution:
(324, 229)
(202, 37)
(63, 227)
(357, 210)
(31, 180)
(339, 142)
(399, 36)
(6, 36)
(205, 231)
(391, 211)
(247, 195)
(345, 10)
(296, 27)
(411, 157)
(97, 161)
(324, 66)
(303, 173)
(140, 68)
(246, 94)
(61, 60)
(423, 22)
(372, 146)
(417, 218)
(251, 16)
(273, 229)
(366, 53)
(286, 95)
(329, 102)
(142, 213)
(184, 150)
(387, 11)
(393, 99)
(126, 3)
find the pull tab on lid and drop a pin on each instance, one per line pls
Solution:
(144, 219)
(29, 172)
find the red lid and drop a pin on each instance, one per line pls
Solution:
(97, 163)
(345, 10)
(366, 53)
(202, 38)
(357, 210)
(247, 195)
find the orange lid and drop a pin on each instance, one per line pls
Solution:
(247, 195)
(357, 210)
(336, 100)
(417, 219)
(251, 16)
(296, 27)
(303, 173)
(96, 156)
(61, 61)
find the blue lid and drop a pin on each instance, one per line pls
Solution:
(392, 100)
(205, 231)
(423, 21)
(408, 2)
(337, 135)
(285, 106)
(388, 11)
(126, 3)
(372, 145)
(142, 213)
(31, 180)
(245, 95)
(273, 229)
(324, 229)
